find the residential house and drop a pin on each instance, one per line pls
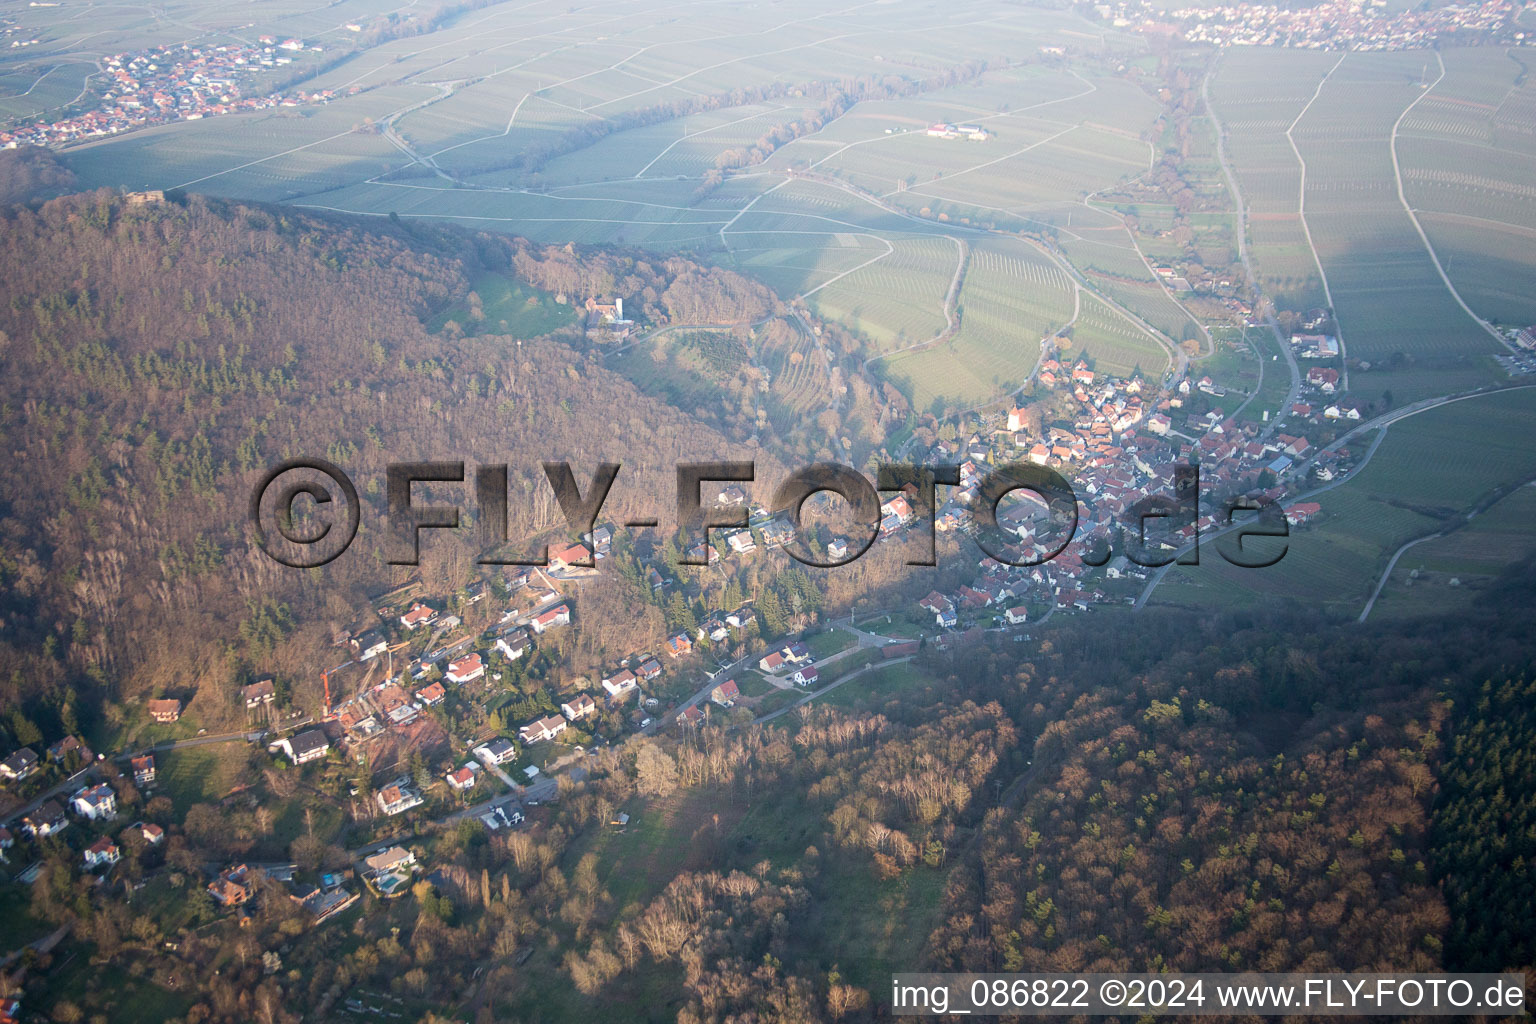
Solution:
(19, 765)
(544, 729)
(690, 716)
(397, 799)
(579, 707)
(165, 710)
(392, 859)
(1016, 616)
(70, 745)
(102, 853)
(570, 556)
(771, 662)
(432, 694)
(1324, 379)
(807, 676)
(259, 693)
(496, 751)
(678, 645)
(153, 834)
(741, 542)
(463, 778)
(466, 670)
(233, 887)
(309, 745)
(369, 644)
(47, 820)
(513, 645)
(777, 533)
(1302, 512)
(95, 802)
(725, 694)
(419, 615)
(619, 684)
(560, 615)
(143, 770)
(649, 669)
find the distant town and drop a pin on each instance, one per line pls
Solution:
(1336, 25)
(174, 83)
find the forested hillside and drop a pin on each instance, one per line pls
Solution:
(160, 357)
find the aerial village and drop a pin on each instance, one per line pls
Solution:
(1335, 25)
(184, 82)
(462, 707)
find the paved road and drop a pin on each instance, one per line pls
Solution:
(1246, 260)
(832, 686)
(42, 945)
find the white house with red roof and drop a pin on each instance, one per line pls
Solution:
(418, 615)
(465, 670)
(102, 853)
(463, 778)
(571, 555)
(725, 694)
(620, 683)
(559, 615)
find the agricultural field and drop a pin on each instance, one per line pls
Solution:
(898, 300)
(1468, 158)
(1430, 470)
(1113, 344)
(1257, 94)
(1386, 292)
(31, 89)
(1454, 570)
(576, 126)
(1012, 298)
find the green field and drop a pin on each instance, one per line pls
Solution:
(201, 774)
(567, 127)
(1455, 570)
(506, 307)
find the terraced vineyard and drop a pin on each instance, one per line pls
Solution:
(1113, 344)
(1012, 298)
(897, 301)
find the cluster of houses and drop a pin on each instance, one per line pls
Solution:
(183, 82)
(400, 699)
(1331, 25)
(1121, 451)
(236, 885)
(606, 322)
(96, 805)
